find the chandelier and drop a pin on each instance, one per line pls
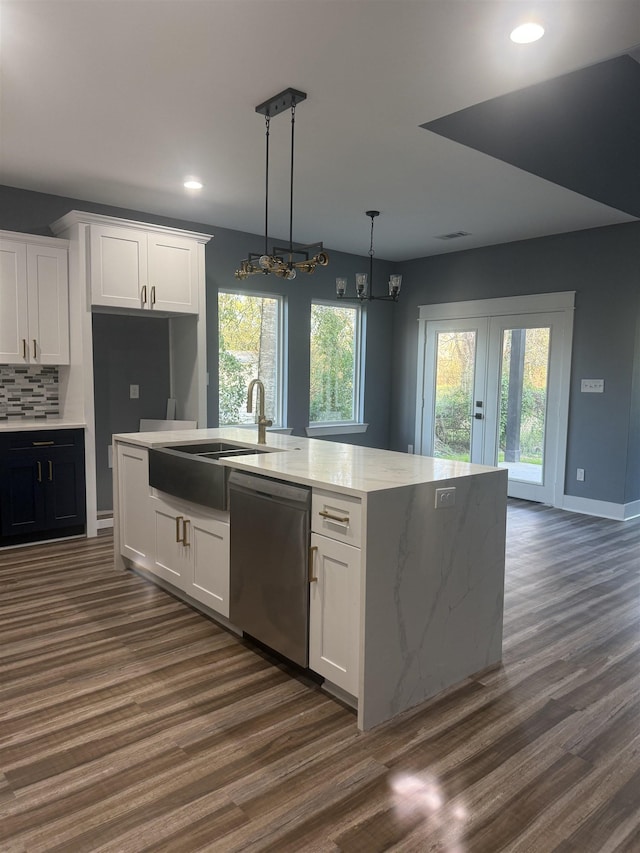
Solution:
(364, 285)
(284, 262)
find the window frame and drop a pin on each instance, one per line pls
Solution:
(278, 417)
(355, 424)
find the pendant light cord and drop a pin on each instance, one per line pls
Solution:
(267, 121)
(293, 130)
(371, 254)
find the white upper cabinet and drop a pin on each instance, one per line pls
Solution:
(138, 268)
(34, 300)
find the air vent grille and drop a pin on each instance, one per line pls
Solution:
(453, 235)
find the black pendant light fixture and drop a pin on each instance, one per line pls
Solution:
(364, 285)
(287, 261)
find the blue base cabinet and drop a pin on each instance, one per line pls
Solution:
(42, 485)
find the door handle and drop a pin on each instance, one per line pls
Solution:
(185, 528)
(312, 551)
(153, 295)
(39, 466)
(24, 348)
(50, 471)
(179, 518)
(144, 294)
(35, 352)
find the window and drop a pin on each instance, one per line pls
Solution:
(250, 334)
(335, 364)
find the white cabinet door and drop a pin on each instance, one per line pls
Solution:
(173, 273)
(334, 615)
(13, 303)
(171, 553)
(134, 505)
(191, 551)
(208, 579)
(34, 304)
(118, 263)
(48, 305)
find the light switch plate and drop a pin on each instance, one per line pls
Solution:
(592, 386)
(134, 392)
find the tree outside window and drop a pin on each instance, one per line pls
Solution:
(249, 347)
(335, 363)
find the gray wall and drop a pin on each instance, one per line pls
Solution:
(603, 267)
(126, 351)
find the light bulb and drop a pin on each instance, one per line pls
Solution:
(527, 33)
(291, 274)
(264, 262)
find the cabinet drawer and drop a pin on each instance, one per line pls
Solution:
(337, 516)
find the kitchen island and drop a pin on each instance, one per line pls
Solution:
(409, 552)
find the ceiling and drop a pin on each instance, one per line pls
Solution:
(414, 108)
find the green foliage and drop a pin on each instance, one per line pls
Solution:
(333, 363)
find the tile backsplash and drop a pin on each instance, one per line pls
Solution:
(29, 392)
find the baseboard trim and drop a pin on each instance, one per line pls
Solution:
(601, 509)
(103, 523)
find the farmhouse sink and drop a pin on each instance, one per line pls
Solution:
(194, 471)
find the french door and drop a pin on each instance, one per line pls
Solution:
(494, 391)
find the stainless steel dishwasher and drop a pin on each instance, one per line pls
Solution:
(269, 588)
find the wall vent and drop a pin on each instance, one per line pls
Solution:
(453, 235)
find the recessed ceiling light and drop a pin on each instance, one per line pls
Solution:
(192, 184)
(527, 33)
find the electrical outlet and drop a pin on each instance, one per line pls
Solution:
(134, 392)
(580, 475)
(445, 497)
(109, 456)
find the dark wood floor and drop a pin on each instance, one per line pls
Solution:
(129, 722)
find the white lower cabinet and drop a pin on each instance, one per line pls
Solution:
(191, 551)
(136, 540)
(334, 615)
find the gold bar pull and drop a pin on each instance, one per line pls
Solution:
(35, 352)
(50, 471)
(341, 519)
(153, 295)
(312, 551)
(39, 466)
(185, 528)
(24, 347)
(42, 443)
(144, 294)
(179, 518)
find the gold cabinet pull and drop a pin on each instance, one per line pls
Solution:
(179, 518)
(39, 466)
(35, 352)
(24, 347)
(153, 295)
(144, 294)
(42, 443)
(185, 528)
(312, 552)
(341, 519)
(50, 471)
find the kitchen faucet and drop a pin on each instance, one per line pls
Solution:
(263, 422)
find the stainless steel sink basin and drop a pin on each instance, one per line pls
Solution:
(194, 472)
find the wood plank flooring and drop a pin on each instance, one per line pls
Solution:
(129, 722)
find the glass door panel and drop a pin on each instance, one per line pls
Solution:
(455, 355)
(523, 403)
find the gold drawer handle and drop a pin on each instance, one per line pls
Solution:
(185, 528)
(312, 551)
(341, 519)
(42, 443)
(179, 518)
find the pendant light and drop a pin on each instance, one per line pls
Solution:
(364, 285)
(284, 262)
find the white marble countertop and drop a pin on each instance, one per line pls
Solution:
(344, 468)
(24, 424)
